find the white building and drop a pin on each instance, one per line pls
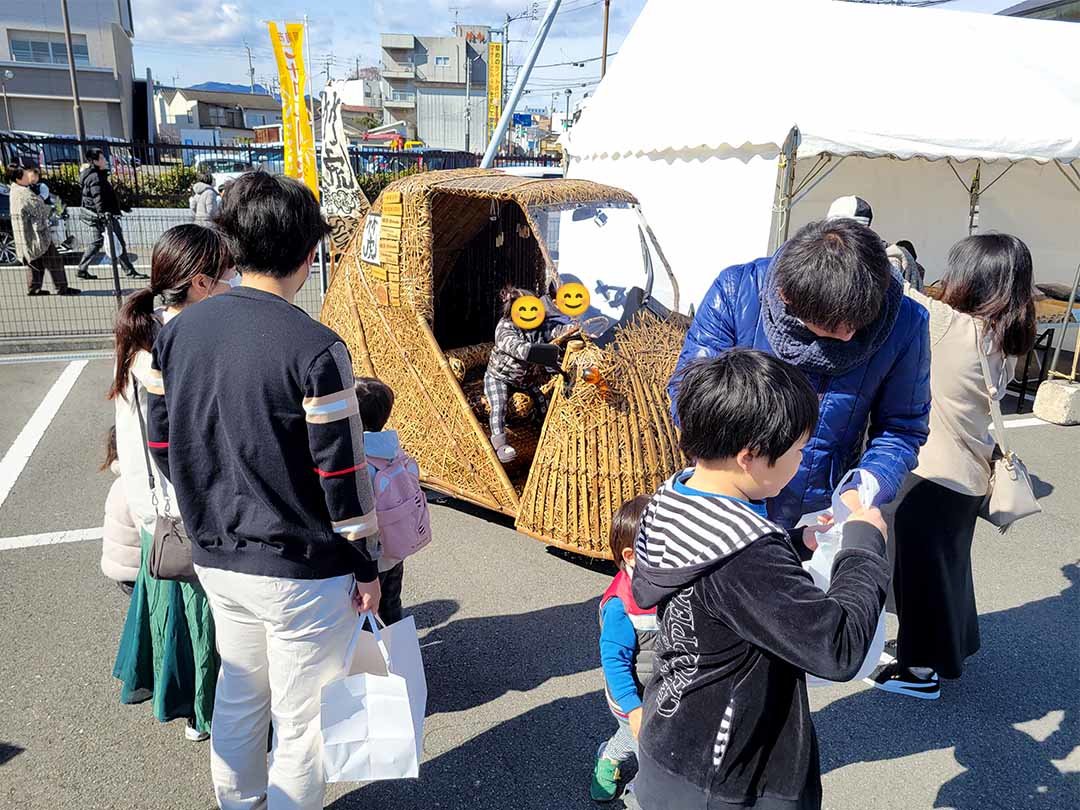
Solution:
(424, 85)
(232, 116)
(32, 47)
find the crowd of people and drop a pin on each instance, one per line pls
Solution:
(238, 412)
(35, 221)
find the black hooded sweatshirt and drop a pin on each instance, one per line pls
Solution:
(727, 721)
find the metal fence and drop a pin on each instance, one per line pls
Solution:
(93, 312)
(153, 183)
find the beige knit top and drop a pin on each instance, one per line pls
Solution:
(958, 452)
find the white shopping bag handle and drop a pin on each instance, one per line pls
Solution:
(367, 617)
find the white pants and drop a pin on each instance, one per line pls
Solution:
(280, 641)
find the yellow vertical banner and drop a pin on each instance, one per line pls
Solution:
(296, 135)
(494, 83)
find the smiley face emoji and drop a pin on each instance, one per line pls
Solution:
(572, 299)
(527, 312)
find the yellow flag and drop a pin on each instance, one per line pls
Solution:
(296, 134)
(494, 83)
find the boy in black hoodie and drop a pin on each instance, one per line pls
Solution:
(727, 722)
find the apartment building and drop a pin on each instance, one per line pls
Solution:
(32, 48)
(425, 82)
(222, 118)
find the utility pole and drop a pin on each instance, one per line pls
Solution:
(566, 121)
(468, 90)
(251, 67)
(80, 127)
(603, 53)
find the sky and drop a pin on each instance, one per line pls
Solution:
(194, 41)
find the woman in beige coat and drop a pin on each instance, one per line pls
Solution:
(30, 229)
(985, 308)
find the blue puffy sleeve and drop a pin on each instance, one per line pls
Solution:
(900, 415)
(714, 327)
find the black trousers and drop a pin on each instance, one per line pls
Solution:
(390, 603)
(935, 593)
(48, 261)
(94, 249)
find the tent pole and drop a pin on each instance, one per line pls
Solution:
(785, 186)
(973, 202)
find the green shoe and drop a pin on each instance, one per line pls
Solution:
(605, 780)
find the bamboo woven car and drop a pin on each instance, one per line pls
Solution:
(416, 299)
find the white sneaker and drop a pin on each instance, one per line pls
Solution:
(192, 734)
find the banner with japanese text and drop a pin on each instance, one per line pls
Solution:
(296, 134)
(495, 86)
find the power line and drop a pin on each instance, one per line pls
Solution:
(576, 62)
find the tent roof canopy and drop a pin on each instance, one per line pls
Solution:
(857, 79)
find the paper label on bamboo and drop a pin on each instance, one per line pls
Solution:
(369, 247)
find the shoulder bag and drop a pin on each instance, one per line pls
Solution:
(170, 553)
(1011, 495)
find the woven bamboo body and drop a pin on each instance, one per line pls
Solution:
(594, 450)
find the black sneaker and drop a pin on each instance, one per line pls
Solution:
(87, 275)
(902, 681)
(69, 291)
(37, 292)
(135, 274)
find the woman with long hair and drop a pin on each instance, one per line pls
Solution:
(167, 651)
(985, 308)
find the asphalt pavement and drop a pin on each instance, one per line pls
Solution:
(509, 637)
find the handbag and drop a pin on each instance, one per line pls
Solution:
(1011, 496)
(170, 553)
(372, 715)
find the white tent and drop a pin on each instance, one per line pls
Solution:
(898, 105)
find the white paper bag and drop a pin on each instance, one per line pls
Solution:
(820, 566)
(373, 716)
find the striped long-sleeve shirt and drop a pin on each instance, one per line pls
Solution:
(255, 422)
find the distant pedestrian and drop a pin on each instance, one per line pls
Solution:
(917, 276)
(205, 200)
(31, 230)
(627, 638)
(257, 425)
(101, 211)
(400, 504)
(986, 308)
(178, 668)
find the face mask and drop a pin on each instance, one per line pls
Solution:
(233, 282)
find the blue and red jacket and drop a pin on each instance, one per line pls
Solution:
(627, 638)
(884, 402)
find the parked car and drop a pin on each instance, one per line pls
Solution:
(223, 170)
(7, 240)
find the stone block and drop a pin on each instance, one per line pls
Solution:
(1058, 401)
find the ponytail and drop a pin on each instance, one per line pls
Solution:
(135, 331)
(182, 253)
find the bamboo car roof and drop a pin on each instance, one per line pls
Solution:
(493, 184)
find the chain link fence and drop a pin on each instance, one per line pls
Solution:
(153, 182)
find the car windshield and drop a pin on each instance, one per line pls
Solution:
(608, 247)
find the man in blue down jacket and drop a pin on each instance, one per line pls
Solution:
(829, 304)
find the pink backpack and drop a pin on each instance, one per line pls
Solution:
(404, 523)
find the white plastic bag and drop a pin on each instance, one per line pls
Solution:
(373, 716)
(820, 565)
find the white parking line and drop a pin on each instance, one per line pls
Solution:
(49, 539)
(1032, 421)
(14, 461)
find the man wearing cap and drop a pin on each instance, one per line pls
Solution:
(901, 255)
(829, 304)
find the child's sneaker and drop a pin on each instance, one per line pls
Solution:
(605, 780)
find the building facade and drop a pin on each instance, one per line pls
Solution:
(425, 83)
(32, 47)
(209, 116)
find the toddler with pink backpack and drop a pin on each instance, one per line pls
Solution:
(404, 523)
